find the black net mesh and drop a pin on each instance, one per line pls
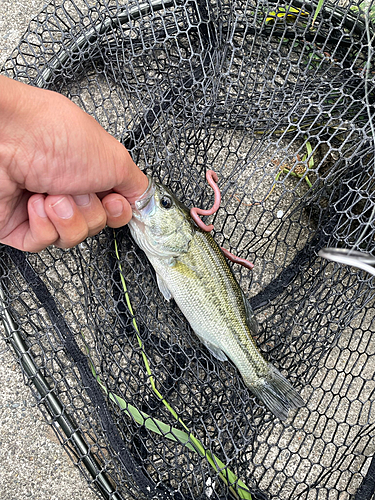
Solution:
(279, 107)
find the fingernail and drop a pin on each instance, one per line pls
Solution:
(82, 199)
(114, 208)
(63, 208)
(38, 205)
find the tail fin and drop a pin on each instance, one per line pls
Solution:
(277, 393)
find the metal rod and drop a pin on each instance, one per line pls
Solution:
(55, 407)
(362, 260)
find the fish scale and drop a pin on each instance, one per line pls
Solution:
(191, 269)
(213, 304)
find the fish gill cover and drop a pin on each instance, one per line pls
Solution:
(278, 99)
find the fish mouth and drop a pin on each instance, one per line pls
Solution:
(145, 204)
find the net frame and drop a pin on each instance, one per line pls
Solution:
(334, 207)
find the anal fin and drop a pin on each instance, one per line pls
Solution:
(215, 351)
(163, 288)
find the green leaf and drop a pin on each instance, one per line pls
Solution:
(309, 153)
(176, 435)
(318, 9)
(152, 424)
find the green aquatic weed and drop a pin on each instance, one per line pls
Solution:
(184, 437)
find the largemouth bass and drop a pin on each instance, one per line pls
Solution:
(191, 268)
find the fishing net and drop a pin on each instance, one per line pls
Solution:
(279, 105)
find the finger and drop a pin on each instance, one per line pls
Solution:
(92, 210)
(103, 194)
(67, 219)
(36, 232)
(118, 210)
(134, 182)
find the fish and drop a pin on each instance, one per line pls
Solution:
(191, 268)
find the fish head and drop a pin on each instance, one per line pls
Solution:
(161, 225)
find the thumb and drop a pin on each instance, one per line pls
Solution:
(131, 181)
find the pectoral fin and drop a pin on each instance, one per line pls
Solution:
(251, 321)
(163, 288)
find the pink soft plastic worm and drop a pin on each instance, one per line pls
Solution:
(237, 260)
(195, 212)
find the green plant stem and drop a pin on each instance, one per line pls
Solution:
(227, 476)
(286, 171)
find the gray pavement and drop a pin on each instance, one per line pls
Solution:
(33, 465)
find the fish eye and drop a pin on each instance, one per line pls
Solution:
(166, 201)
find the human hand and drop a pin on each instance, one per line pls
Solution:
(62, 176)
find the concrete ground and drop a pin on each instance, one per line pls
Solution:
(33, 463)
